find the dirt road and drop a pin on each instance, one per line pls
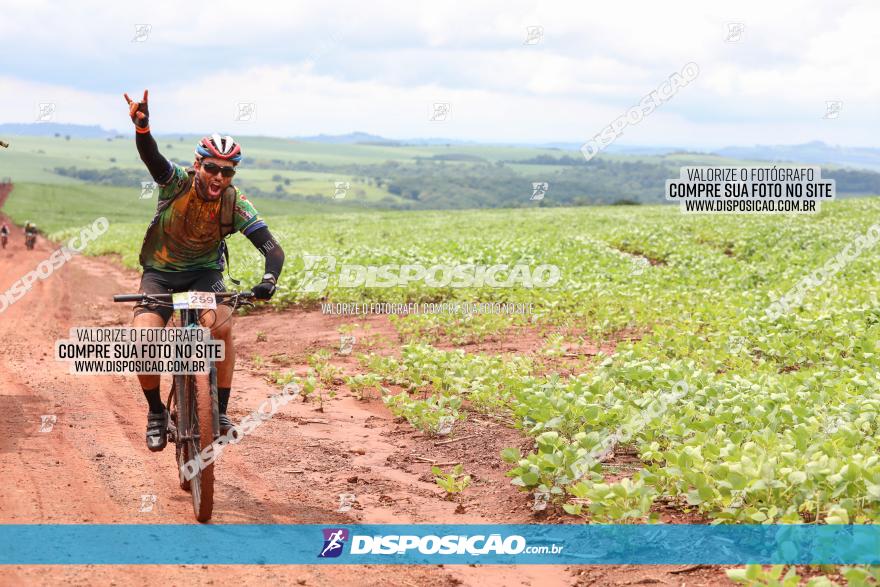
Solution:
(93, 465)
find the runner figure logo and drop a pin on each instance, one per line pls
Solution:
(639, 266)
(245, 111)
(342, 188)
(45, 111)
(539, 190)
(334, 540)
(142, 33)
(542, 498)
(832, 109)
(147, 503)
(346, 344)
(147, 189)
(315, 278)
(735, 32)
(47, 422)
(534, 35)
(440, 112)
(346, 501)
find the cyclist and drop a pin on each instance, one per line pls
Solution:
(183, 249)
(30, 231)
(4, 234)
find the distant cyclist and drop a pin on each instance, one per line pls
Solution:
(183, 249)
(4, 234)
(30, 234)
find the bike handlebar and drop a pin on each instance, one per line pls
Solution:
(144, 297)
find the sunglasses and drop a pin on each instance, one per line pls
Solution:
(213, 168)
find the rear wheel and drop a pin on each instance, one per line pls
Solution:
(204, 422)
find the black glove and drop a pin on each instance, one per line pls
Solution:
(139, 112)
(266, 288)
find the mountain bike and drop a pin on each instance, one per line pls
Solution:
(29, 240)
(192, 402)
(4, 239)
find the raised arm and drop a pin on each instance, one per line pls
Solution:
(158, 166)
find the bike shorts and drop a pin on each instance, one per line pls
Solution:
(156, 282)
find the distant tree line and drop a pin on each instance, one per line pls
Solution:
(113, 176)
(854, 181)
(463, 181)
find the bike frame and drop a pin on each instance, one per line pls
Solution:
(187, 437)
(184, 426)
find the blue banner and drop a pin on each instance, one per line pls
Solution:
(78, 544)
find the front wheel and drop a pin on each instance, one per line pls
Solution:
(179, 414)
(204, 422)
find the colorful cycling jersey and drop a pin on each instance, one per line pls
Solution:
(188, 233)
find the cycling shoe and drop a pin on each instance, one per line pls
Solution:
(157, 431)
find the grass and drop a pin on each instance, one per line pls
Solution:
(57, 206)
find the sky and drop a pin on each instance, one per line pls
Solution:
(507, 71)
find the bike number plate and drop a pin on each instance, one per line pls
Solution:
(194, 300)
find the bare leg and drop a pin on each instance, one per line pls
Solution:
(148, 320)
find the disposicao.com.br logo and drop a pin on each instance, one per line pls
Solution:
(450, 544)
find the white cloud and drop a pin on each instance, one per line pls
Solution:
(342, 66)
(21, 101)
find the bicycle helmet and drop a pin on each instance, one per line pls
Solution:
(219, 148)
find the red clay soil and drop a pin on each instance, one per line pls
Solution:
(94, 467)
